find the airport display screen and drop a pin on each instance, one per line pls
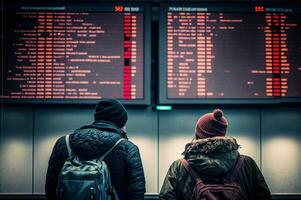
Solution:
(76, 53)
(230, 53)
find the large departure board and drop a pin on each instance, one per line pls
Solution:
(230, 53)
(76, 53)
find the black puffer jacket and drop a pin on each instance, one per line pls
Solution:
(213, 157)
(92, 141)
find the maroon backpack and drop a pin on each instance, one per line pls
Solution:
(221, 190)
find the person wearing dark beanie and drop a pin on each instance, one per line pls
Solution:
(93, 141)
(213, 157)
(111, 110)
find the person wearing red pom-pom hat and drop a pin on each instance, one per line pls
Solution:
(212, 167)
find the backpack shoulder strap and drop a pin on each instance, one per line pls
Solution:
(191, 171)
(104, 155)
(237, 168)
(68, 145)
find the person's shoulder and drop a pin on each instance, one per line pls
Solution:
(59, 145)
(175, 166)
(248, 159)
(61, 140)
(250, 163)
(129, 145)
(176, 163)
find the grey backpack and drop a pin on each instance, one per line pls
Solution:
(85, 179)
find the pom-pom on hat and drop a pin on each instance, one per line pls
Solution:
(211, 124)
(111, 110)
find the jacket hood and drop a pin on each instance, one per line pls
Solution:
(212, 156)
(94, 140)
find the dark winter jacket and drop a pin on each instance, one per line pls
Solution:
(213, 158)
(92, 141)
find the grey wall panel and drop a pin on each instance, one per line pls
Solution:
(281, 139)
(142, 130)
(50, 124)
(244, 125)
(281, 149)
(16, 150)
(176, 128)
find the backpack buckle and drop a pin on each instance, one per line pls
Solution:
(92, 193)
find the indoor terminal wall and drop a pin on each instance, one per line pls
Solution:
(270, 134)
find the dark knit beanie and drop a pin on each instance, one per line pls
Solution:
(111, 110)
(211, 124)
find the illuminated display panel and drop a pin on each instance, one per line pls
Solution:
(230, 53)
(76, 53)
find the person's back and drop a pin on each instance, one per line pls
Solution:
(213, 156)
(92, 141)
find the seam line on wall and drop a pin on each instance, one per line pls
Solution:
(158, 147)
(260, 136)
(1, 91)
(32, 168)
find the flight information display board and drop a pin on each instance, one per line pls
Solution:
(76, 53)
(230, 53)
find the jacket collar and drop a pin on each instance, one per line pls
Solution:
(92, 141)
(106, 126)
(212, 156)
(211, 145)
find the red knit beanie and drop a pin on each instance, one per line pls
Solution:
(211, 124)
